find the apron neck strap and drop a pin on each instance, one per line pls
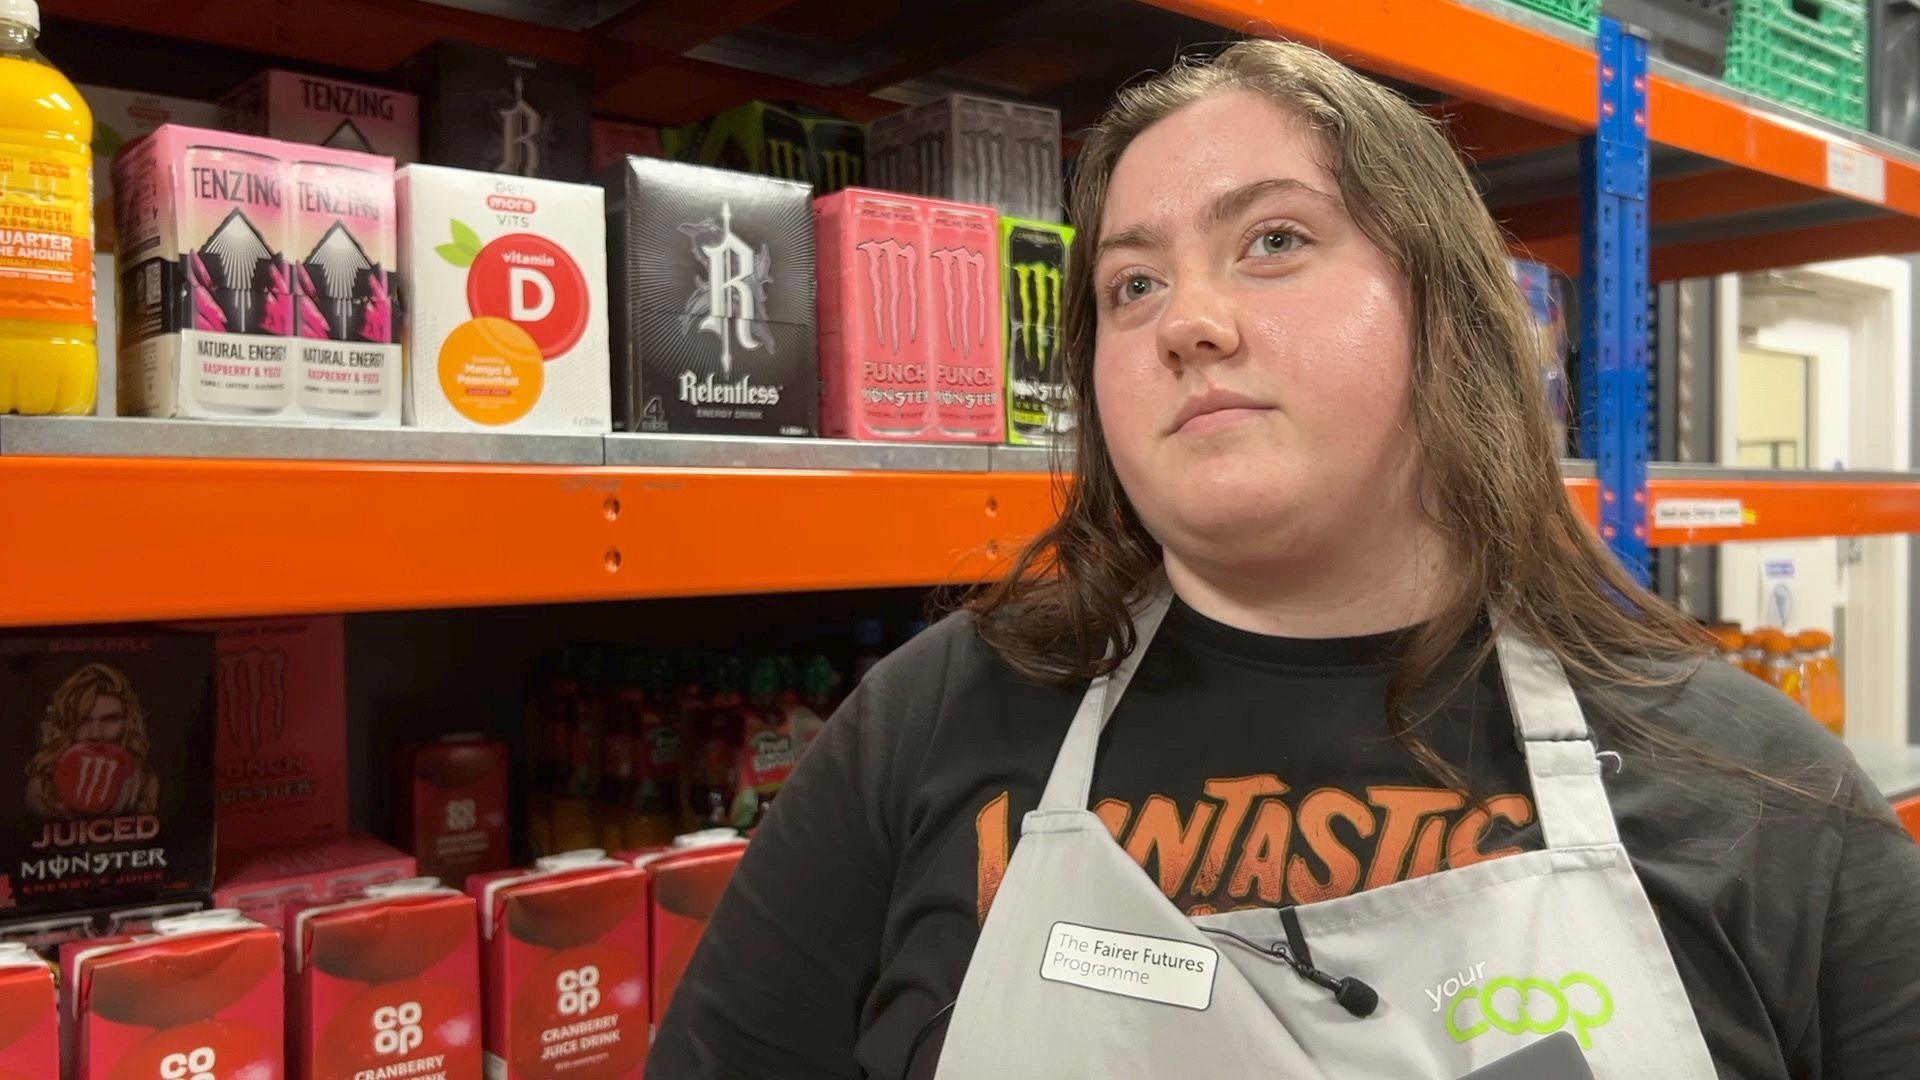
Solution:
(1568, 795)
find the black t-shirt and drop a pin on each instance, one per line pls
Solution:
(1249, 770)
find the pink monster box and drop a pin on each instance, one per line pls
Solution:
(969, 377)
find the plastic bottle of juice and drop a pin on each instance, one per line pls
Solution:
(1826, 694)
(1754, 658)
(1732, 642)
(1780, 669)
(48, 360)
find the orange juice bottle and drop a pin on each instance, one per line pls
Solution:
(1826, 694)
(48, 359)
(1780, 669)
(1754, 657)
(1732, 642)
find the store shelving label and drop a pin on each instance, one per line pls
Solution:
(1853, 171)
(1698, 514)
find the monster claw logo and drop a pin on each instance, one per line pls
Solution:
(787, 160)
(521, 126)
(1037, 177)
(731, 295)
(965, 271)
(889, 264)
(985, 153)
(838, 169)
(253, 696)
(1038, 322)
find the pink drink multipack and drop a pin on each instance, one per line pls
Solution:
(256, 280)
(909, 319)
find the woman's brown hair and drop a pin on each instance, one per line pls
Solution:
(1488, 453)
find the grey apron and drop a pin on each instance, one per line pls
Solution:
(1084, 968)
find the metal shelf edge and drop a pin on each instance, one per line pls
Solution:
(134, 437)
(729, 452)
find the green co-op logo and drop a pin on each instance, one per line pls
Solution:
(1531, 1005)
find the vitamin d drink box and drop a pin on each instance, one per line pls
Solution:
(107, 739)
(453, 806)
(909, 319)
(29, 1016)
(199, 997)
(313, 109)
(1033, 278)
(507, 308)
(715, 272)
(255, 280)
(385, 985)
(564, 948)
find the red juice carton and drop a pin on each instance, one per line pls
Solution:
(684, 885)
(29, 1016)
(324, 111)
(385, 985)
(199, 998)
(969, 375)
(269, 885)
(345, 242)
(564, 948)
(453, 806)
(876, 345)
(281, 752)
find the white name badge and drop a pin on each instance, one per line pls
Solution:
(1132, 965)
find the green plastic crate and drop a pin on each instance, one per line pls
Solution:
(1584, 14)
(1807, 53)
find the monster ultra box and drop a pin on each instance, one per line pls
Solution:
(715, 273)
(507, 303)
(497, 112)
(108, 741)
(1033, 276)
(972, 149)
(323, 111)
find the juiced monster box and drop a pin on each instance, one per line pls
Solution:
(323, 111)
(385, 985)
(715, 272)
(107, 740)
(825, 151)
(1033, 276)
(507, 303)
(909, 318)
(254, 280)
(453, 806)
(199, 998)
(497, 112)
(564, 949)
(1002, 154)
(29, 1016)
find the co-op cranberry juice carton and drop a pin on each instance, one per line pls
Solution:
(969, 376)
(29, 1016)
(453, 806)
(564, 951)
(507, 302)
(199, 998)
(876, 374)
(684, 885)
(385, 985)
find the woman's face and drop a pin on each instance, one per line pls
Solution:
(1254, 354)
(105, 722)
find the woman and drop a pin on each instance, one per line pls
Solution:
(1320, 582)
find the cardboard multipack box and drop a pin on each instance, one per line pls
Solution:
(45, 934)
(281, 751)
(386, 984)
(499, 112)
(200, 996)
(1033, 277)
(254, 279)
(507, 302)
(120, 117)
(107, 736)
(29, 1015)
(826, 151)
(1002, 154)
(613, 140)
(270, 884)
(714, 270)
(564, 953)
(453, 806)
(324, 111)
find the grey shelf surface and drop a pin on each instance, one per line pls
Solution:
(1895, 770)
(729, 452)
(85, 436)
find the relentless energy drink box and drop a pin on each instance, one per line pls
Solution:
(507, 313)
(684, 885)
(29, 1016)
(269, 885)
(564, 949)
(199, 998)
(1002, 154)
(716, 330)
(1033, 277)
(108, 739)
(120, 117)
(497, 112)
(825, 151)
(328, 112)
(281, 750)
(453, 806)
(613, 140)
(386, 985)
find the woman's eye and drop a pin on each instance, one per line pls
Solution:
(1275, 242)
(1136, 287)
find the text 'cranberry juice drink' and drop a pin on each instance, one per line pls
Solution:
(29, 1016)
(564, 949)
(200, 998)
(386, 986)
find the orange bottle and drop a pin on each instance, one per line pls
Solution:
(1754, 658)
(1826, 692)
(1779, 667)
(1732, 642)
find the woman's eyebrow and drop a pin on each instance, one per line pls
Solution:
(1227, 205)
